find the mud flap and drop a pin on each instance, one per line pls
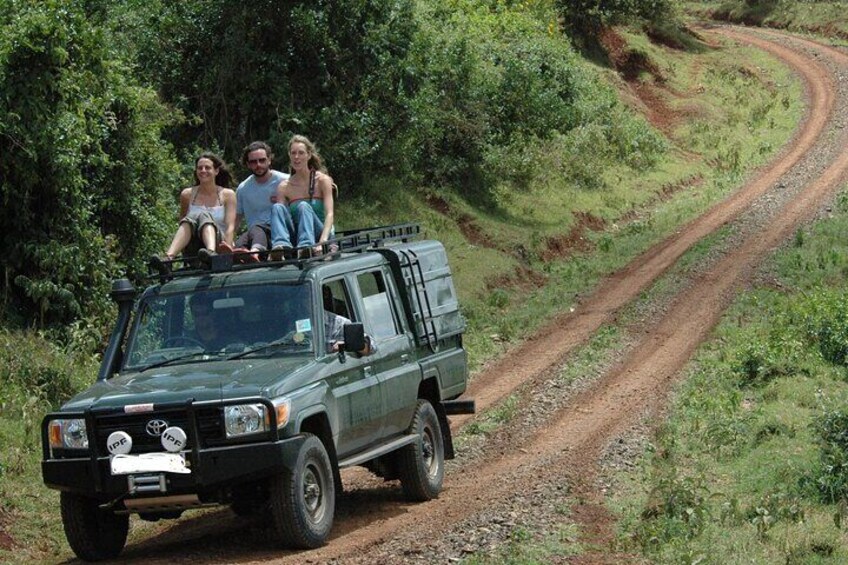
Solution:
(441, 413)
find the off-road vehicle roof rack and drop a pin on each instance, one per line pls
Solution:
(349, 241)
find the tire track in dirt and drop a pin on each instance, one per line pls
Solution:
(641, 381)
(570, 444)
(552, 343)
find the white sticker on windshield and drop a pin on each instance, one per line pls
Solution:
(303, 325)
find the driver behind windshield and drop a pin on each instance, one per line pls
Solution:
(208, 329)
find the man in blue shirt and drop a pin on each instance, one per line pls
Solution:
(254, 198)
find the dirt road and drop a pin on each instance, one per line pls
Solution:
(563, 431)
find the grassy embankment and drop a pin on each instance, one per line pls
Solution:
(728, 117)
(829, 19)
(752, 458)
(750, 465)
(712, 113)
(756, 470)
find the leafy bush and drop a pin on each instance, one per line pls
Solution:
(330, 69)
(505, 101)
(753, 12)
(774, 507)
(42, 370)
(758, 363)
(832, 475)
(584, 18)
(826, 324)
(678, 508)
(82, 168)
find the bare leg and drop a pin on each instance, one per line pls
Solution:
(181, 239)
(209, 237)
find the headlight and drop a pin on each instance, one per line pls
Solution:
(244, 419)
(68, 434)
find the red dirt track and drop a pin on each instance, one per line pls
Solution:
(374, 525)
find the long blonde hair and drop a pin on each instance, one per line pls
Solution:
(315, 162)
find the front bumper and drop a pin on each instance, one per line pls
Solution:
(214, 465)
(211, 469)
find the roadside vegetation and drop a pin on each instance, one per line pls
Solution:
(540, 171)
(711, 487)
(828, 19)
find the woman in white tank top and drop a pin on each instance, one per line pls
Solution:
(207, 212)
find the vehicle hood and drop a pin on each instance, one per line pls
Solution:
(211, 380)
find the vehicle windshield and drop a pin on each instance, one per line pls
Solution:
(266, 321)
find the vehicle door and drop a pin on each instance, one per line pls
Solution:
(354, 385)
(392, 360)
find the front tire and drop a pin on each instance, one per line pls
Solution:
(421, 465)
(303, 498)
(92, 533)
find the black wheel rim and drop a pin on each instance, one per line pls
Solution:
(428, 452)
(313, 493)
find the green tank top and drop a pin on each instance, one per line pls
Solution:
(316, 204)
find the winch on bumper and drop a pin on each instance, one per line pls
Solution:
(124, 458)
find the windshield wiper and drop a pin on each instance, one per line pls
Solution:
(175, 360)
(287, 340)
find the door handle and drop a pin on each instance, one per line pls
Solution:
(367, 370)
(404, 359)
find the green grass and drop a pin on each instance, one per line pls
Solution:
(739, 123)
(751, 446)
(502, 307)
(24, 501)
(826, 19)
(525, 548)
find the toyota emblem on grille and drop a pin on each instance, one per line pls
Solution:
(156, 427)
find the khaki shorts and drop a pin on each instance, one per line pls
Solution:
(197, 223)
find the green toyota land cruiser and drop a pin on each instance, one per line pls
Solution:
(251, 385)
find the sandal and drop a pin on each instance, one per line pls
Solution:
(205, 255)
(240, 254)
(161, 264)
(280, 253)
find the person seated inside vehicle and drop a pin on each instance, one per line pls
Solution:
(334, 325)
(208, 330)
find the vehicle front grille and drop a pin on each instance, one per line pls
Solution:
(209, 427)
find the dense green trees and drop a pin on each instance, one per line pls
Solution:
(585, 18)
(437, 90)
(332, 69)
(82, 162)
(102, 98)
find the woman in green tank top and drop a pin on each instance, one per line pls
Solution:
(304, 210)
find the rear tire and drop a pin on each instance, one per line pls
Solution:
(92, 533)
(303, 499)
(421, 465)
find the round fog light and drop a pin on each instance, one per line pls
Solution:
(174, 439)
(119, 443)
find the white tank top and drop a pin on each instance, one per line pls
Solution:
(217, 212)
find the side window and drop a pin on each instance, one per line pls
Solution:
(380, 320)
(337, 311)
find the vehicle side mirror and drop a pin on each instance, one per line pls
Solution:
(354, 337)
